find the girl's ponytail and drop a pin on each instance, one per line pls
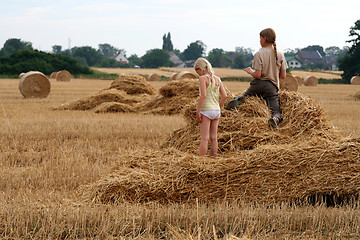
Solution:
(277, 59)
(204, 65)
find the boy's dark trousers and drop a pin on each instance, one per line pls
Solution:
(266, 90)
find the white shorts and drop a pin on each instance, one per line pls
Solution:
(211, 114)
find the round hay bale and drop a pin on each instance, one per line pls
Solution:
(153, 77)
(289, 83)
(53, 74)
(63, 76)
(299, 80)
(355, 80)
(34, 84)
(173, 76)
(185, 74)
(21, 74)
(311, 81)
(357, 96)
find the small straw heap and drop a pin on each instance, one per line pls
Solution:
(133, 84)
(34, 84)
(105, 96)
(123, 95)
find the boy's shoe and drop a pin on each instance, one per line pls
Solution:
(273, 123)
(235, 102)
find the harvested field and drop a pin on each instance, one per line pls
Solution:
(85, 175)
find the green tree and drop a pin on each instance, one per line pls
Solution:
(194, 50)
(134, 60)
(56, 48)
(167, 44)
(156, 58)
(91, 56)
(332, 51)
(350, 62)
(108, 51)
(218, 58)
(13, 45)
(243, 57)
(30, 60)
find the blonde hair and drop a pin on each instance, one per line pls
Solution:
(270, 36)
(205, 66)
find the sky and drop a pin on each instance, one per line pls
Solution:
(139, 25)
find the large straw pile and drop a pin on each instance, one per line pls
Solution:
(173, 97)
(133, 84)
(34, 84)
(268, 174)
(306, 158)
(246, 127)
(106, 96)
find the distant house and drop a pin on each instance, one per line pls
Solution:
(176, 60)
(190, 63)
(294, 63)
(120, 57)
(309, 57)
(331, 62)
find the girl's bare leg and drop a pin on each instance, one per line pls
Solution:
(213, 137)
(204, 139)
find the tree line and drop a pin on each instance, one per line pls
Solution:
(15, 56)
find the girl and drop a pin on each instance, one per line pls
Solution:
(208, 109)
(269, 65)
